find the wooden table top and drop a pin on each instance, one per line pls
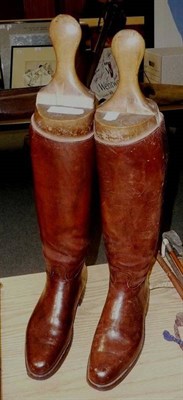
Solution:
(158, 374)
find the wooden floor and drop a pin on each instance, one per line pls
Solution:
(158, 375)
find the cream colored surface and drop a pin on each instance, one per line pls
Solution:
(158, 374)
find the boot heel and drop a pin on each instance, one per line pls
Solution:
(84, 280)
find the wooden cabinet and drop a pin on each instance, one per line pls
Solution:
(39, 9)
(28, 9)
(12, 10)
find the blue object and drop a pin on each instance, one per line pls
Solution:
(171, 338)
(176, 8)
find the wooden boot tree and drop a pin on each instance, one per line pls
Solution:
(128, 115)
(65, 106)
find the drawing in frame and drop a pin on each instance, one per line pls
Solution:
(32, 66)
(20, 33)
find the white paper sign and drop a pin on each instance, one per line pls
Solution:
(106, 76)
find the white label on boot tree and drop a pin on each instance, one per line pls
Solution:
(111, 115)
(55, 99)
(65, 110)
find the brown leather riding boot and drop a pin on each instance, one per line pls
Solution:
(131, 166)
(62, 151)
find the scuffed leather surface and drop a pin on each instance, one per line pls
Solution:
(62, 180)
(131, 188)
(119, 335)
(50, 328)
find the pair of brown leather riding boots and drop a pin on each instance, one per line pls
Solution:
(124, 138)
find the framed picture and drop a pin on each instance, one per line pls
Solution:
(20, 33)
(32, 66)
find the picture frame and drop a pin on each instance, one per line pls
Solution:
(32, 66)
(20, 33)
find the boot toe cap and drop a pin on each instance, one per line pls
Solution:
(42, 362)
(105, 371)
(37, 368)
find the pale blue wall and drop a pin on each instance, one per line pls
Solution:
(176, 8)
(166, 32)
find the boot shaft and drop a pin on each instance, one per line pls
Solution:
(62, 153)
(63, 174)
(131, 157)
(131, 188)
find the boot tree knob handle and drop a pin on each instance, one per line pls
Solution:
(65, 34)
(65, 87)
(128, 114)
(128, 48)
